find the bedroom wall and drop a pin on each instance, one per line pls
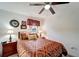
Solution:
(64, 26)
(5, 17)
(66, 35)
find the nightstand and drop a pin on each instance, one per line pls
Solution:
(9, 49)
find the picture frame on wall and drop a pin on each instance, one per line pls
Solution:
(14, 23)
(23, 25)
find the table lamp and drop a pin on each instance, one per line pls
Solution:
(10, 32)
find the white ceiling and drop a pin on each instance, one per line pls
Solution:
(67, 14)
(24, 8)
(21, 8)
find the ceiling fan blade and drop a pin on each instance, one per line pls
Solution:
(37, 4)
(46, 2)
(51, 10)
(57, 3)
(41, 10)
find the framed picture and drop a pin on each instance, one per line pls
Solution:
(23, 25)
(33, 22)
(14, 23)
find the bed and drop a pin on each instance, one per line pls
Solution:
(41, 47)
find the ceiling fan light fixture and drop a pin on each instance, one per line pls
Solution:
(47, 7)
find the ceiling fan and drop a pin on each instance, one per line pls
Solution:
(48, 6)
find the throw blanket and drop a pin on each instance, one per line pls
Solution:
(40, 48)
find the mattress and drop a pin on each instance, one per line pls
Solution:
(40, 48)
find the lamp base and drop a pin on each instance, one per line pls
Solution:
(10, 39)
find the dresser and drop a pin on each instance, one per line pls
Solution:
(9, 49)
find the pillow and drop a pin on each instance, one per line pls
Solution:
(38, 35)
(24, 36)
(32, 37)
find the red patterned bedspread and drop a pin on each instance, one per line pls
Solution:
(40, 48)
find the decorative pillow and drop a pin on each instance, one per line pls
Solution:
(32, 37)
(38, 35)
(24, 36)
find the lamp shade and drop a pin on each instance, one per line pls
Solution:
(10, 31)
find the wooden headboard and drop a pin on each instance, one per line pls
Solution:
(19, 35)
(22, 35)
